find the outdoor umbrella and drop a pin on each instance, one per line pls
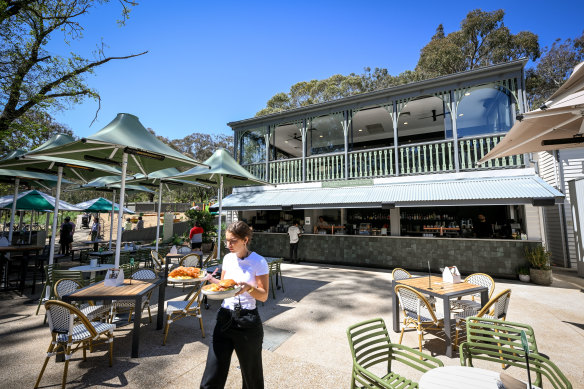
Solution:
(18, 176)
(100, 205)
(33, 200)
(163, 178)
(558, 124)
(111, 184)
(82, 170)
(223, 171)
(124, 136)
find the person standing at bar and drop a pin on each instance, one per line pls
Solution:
(482, 229)
(239, 326)
(294, 233)
(196, 236)
(66, 236)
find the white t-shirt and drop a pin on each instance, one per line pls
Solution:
(293, 232)
(243, 270)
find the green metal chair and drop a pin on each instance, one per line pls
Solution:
(499, 341)
(47, 291)
(371, 348)
(276, 271)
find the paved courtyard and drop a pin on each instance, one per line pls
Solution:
(305, 339)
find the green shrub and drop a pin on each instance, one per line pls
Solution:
(524, 269)
(206, 221)
(538, 257)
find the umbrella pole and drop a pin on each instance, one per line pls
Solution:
(112, 218)
(30, 226)
(16, 183)
(121, 210)
(220, 207)
(55, 216)
(158, 214)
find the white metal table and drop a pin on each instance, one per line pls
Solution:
(461, 377)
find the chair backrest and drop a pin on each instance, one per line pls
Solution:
(195, 299)
(143, 274)
(497, 306)
(213, 254)
(61, 317)
(184, 250)
(70, 274)
(190, 260)
(369, 343)
(499, 341)
(400, 274)
(415, 303)
(482, 279)
(65, 286)
(156, 259)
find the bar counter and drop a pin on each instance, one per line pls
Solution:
(496, 257)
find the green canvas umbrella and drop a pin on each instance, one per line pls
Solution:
(223, 171)
(33, 200)
(127, 144)
(79, 170)
(100, 205)
(158, 179)
(18, 176)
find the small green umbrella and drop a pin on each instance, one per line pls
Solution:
(33, 200)
(223, 171)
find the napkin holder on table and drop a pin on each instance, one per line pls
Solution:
(114, 277)
(451, 274)
(173, 250)
(93, 262)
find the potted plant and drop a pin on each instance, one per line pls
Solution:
(523, 272)
(540, 270)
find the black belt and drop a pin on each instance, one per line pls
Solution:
(243, 311)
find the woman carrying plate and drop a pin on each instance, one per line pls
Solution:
(239, 326)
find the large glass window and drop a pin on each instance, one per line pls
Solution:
(253, 146)
(286, 141)
(371, 128)
(325, 135)
(484, 110)
(424, 119)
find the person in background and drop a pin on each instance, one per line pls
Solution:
(196, 236)
(140, 224)
(65, 236)
(128, 225)
(239, 326)
(294, 233)
(95, 229)
(482, 229)
(73, 227)
(320, 224)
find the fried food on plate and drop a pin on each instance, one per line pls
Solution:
(221, 286)
(185, 272)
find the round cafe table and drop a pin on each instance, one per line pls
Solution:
(460, 377)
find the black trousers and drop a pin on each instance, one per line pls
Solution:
(247, 343)
(294, 252)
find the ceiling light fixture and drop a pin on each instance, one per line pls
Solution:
(406, 123)
(360, 129)
(467, 94)
(322, 136)
(461, 114)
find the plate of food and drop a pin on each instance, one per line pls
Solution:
(221, 290)
(186, 274)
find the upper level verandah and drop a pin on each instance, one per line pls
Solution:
(441, 125)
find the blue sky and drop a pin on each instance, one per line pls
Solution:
(210, 63)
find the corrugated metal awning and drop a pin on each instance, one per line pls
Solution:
(483, 191)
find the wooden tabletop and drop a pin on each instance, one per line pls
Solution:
(440, 288)
(138, 287)
(10, 249)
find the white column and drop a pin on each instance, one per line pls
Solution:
(158, 214)
(220, 209)
(16, 183)
(55, 216)
(112, 218)
(121, 210)
(395, 222)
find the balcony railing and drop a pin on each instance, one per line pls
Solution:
(423, 158)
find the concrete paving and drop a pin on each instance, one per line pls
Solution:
(305, 326)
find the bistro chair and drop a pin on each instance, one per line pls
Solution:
(418, 313)
(121, 305)
(190, 260)
(70, 330)
(481, 279)
(371, 347)
(47, 291)
(400, 274)
(176, 310)
(157, 260)
(496, 308)
(66, 286)
(499, 341)
(275, 271)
